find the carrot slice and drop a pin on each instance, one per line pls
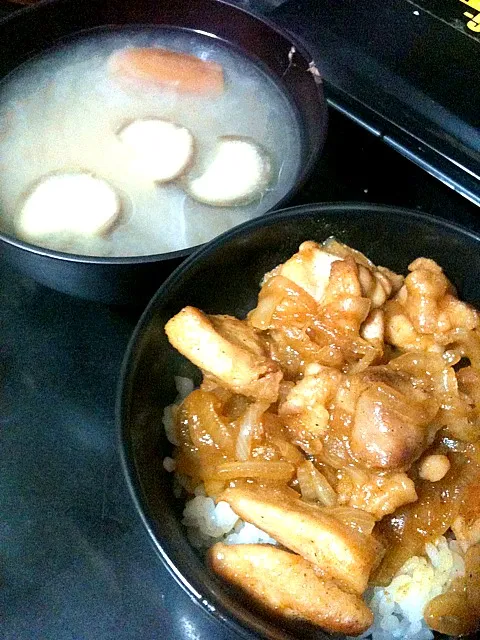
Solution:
(170, 69)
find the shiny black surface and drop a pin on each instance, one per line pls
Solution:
(406, 68)
(75, 561)
(127, 280)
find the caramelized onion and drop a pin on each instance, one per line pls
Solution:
(249, 423)
(355, 518)
(279, 471)
(314, 486)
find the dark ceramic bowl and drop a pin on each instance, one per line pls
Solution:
(28, 32)
(224, 277)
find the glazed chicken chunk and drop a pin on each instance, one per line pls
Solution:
(305, 407)
(311, 269)
(391, 420)
(228, 349)
(335, 548)
(287, 584)
(426, 315)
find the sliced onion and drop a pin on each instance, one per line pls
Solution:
(274, 470)
(271, 295)
(314, 486)
(356, 518)
(288, 450)
(248, 426)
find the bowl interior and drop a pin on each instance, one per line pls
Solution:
(224, 277)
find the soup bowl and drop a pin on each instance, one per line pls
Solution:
(120, 280)
(224, 277)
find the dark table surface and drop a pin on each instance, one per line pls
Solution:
(75, 562)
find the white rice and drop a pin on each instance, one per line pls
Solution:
(208, 523)
(398, 608)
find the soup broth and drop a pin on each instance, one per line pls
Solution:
(62, 111)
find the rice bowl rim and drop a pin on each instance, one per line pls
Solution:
(200, 590)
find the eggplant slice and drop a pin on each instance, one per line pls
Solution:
(162, 150)
(237, 173)
(67, 204)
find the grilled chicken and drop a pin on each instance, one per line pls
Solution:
(288, 585)
(309, 268)
(228, 349)
(467, 535)
(390, 426)
(305, 408)
(335, 548)
(373, 328)
(426, 314)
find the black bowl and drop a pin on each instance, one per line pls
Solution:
(224, 277)
(24, 34)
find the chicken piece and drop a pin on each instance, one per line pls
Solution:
(378, 494)
(457, 611)
(326, 278)
(425, 287)
(228, 349)
(339, 322)
(469, 385)
(460, 314)
(466, 525)
(400, 332)
(282, 303)
(345, 289)
(349, 279)
(341, 316)
(390, 426)
(426, 315)
(336, 549)
(306, 405)
(309, 268)
(377, 283)
(286, 584)
(343, 281)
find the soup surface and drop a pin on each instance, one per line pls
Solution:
(62, 111)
